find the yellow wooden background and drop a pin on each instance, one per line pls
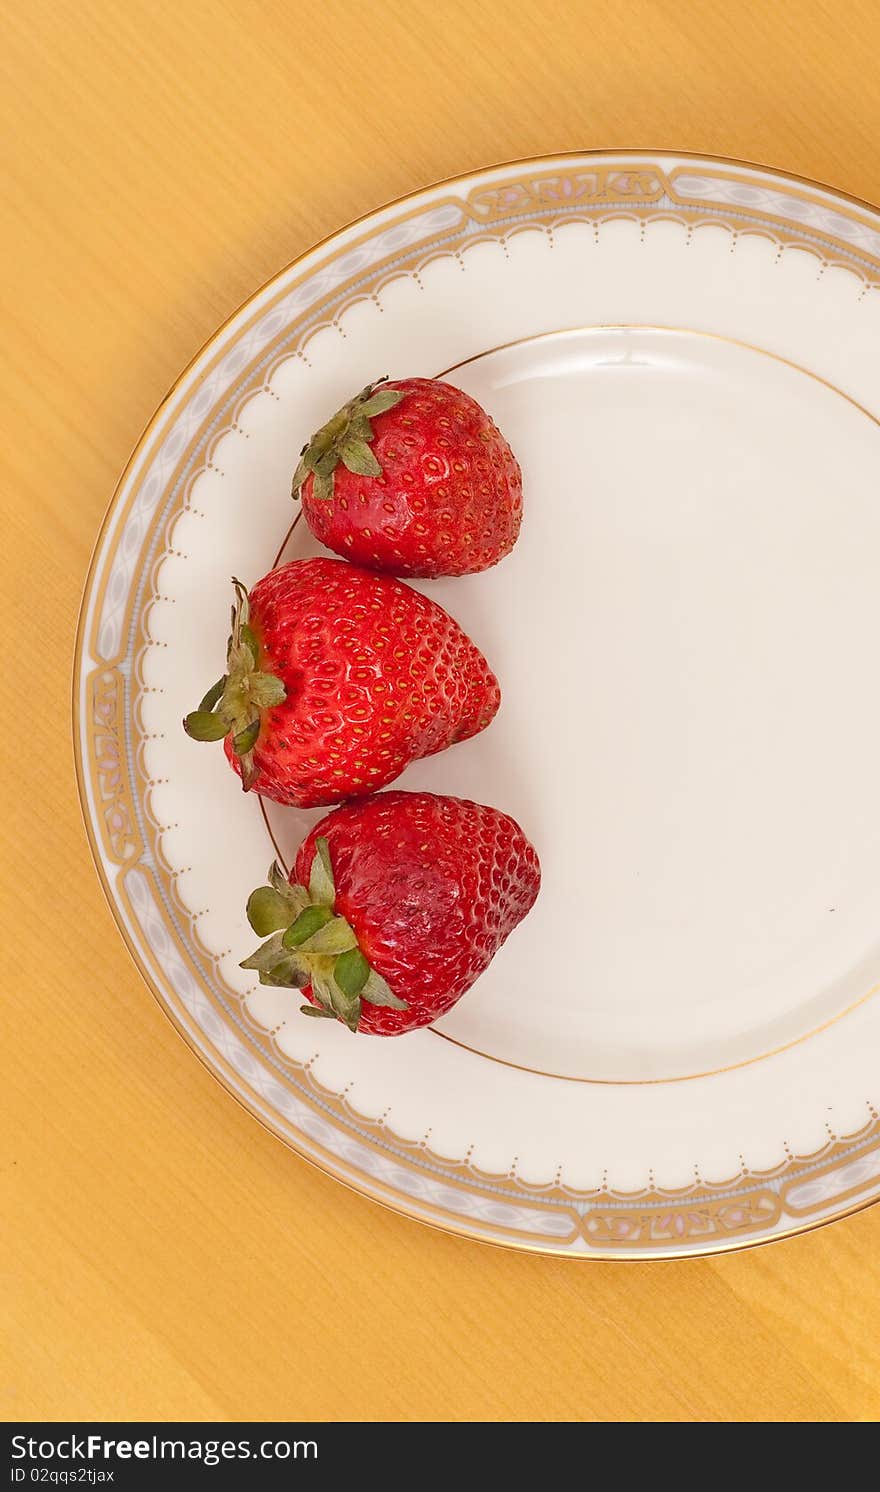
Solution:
(163, 1256)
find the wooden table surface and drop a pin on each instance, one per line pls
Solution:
(163, 1256)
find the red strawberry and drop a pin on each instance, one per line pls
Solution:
(336, 680)
(412, 477)
(395, 905)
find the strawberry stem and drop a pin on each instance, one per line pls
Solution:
(234, 706)
(347, 437)
(309, 944)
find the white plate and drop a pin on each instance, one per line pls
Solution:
(676, 1052)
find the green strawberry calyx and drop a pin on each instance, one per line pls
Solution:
(346, 438)
(234, 705)
(307, 943)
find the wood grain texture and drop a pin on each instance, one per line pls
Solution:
(163, 1256)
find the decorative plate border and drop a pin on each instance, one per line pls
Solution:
(803, 1191)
